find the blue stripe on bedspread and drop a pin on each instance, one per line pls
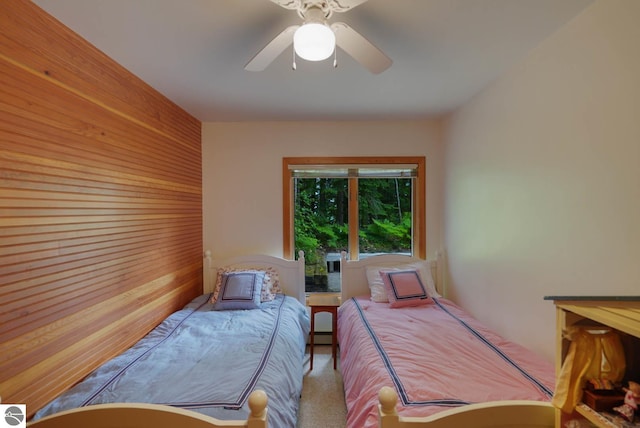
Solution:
(208, 361)
(251, 383)
(116, 375)
(497, 350)
(395, 378)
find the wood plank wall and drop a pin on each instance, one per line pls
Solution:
(100, 207)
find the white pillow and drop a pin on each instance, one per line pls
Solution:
(379, 293)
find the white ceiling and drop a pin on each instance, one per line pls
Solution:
(194, 52)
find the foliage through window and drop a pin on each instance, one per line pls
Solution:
(385, 216)
(359, 205)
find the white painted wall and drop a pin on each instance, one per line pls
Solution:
(542, 178)
(242, 176)
(242, 173)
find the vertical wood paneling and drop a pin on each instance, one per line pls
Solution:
(100, 207)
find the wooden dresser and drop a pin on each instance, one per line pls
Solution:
(621, 313)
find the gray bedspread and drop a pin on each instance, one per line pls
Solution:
(208, 361)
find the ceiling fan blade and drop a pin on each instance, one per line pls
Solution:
(332, 5)
(361, 49)
(270, 52)
(289, 4)
(343, 5)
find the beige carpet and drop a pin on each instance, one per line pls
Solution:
(322, 404)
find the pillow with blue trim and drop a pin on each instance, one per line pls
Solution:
(270, 287)
(379, 293)
(240, 290)
(404, 288)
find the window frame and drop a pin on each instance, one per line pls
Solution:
(419, 238)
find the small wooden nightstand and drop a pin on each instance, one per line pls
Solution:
(324, 303)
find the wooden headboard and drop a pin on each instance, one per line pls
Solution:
(354, 278)
(291, 272)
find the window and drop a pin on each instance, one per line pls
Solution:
(360, 205)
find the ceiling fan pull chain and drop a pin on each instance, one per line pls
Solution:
(335, 57)
(293, 65)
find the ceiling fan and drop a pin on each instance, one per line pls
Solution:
(316, 40)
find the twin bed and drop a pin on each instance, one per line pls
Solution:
(419, 360)
(209, 364)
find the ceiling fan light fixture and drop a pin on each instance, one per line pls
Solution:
(314, 41)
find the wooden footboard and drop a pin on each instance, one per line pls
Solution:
(494, 414)
(140, 415)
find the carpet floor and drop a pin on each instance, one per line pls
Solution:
(322, 404)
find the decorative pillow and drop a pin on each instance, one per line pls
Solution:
(269, 289)
(404, 288)
(378, 292)
(240, 290)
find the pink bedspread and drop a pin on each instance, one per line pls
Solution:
(435, 356)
